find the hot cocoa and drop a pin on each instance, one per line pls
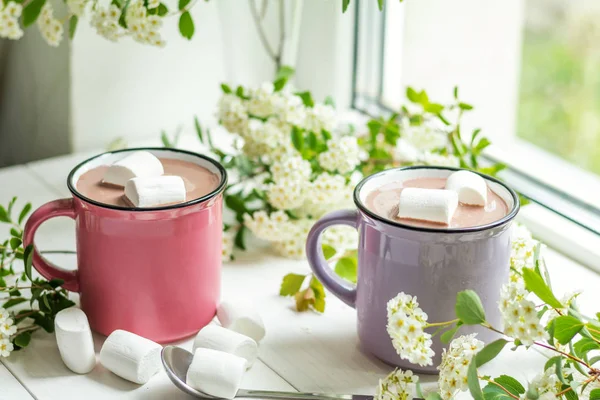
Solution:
(384, 202)
(198, 181)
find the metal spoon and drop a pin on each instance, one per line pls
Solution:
(177, 361)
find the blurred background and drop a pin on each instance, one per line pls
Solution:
(530, 68)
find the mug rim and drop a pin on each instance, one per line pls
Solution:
(220, 188)
(508, 217)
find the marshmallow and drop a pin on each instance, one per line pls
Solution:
(74, 339)
(155, 190)
(242, 319)
(471, 188)
(216, 373)
(434, 205)
(137, 164)
(221, 339)
(130, 356)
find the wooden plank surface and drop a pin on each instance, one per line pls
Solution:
(10, 388)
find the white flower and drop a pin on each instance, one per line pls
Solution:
(226, 246)
(425, 137)
(9, 21)
(441, 160)
(289, 108)
(5, 347)
(7, 328)
(396, 386)
(13, 9)
(342, 155)
(294, 246)
(455, 363)
(106, 22)
(341, 237)
(294, 168)
(273, 228)
(327, 189)
(232, 113)
(77, 7)
(405, 152)
(287, 194)
(546, 384)
(519, 314)
(262, 101)
(406, 324)
(50, 28)
(3, 315)
(143, 27)
(153, 3)
(320, 117)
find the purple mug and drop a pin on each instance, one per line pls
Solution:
(433, 264)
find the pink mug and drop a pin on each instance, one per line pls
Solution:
(152, 271)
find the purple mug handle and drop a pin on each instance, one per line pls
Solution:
(341, 288)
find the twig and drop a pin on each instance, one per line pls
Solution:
(261, 32)
(442, 323)
(281, 35)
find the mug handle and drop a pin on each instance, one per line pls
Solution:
(341, 288)
(56, 208)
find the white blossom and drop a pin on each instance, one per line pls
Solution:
(396, 386)
(441, 160)
(3, 314)
(455, 364)
(327, 189)
(153, 4)
(287, 194)
(320, 117)
(425, 137)
(232, 113)
(405, 152)
(50, 28)
(9, 21)
(77, 7)
(546, 384)
(519, 314)
(273, 228)
(341, 237)
(342, 155)
(289, 108)
(143, 27)
(262, 101)
(106, 22)
(226, 246)
(7, 328)
(294, 168)
(405, 325)
(5, 347)
(294, 246)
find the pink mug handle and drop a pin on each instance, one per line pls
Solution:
(56, 208)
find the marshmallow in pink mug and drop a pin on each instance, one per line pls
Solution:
(152, 271)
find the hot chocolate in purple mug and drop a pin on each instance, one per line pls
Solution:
(433, 263)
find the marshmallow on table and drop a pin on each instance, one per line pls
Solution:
(155, 190)
(218, 338)
(130, 356)
(216, 373)
(242, 319)
(471, 188)
(434, 205)
(74, 339)
(137, 164)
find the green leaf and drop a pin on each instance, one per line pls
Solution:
(328, 251)
(329, 101)
(465, 106)
(510, 384)
(312, 141)
(447, 336)
(279, 84)
(434, 108)
(162, 10)
(186, 25)
(493, 392)
(239, 239)
(319, 293)
(489, 352)
(307, 99)
(345, 4)
(23, 339)
(419, 390)
(15, 243)
(571, 394)
(433, 396)
(73, 26)
(297, 138)
(32, 11)
(412, 95)
(15, 233)
(456, 92)
(346, 267)
(566, 327)
(4, 215)
(55, 282)
(45, 322)
(285, 72)
(551, 362)
(535, 283)
(595, 394)
(28, 260)
(165, 139)
(291, 284)
(473, 381)
(235, 203)
(183, 4)
(225, 88)
(469, 308)
(199, 128)
(584, 346)
(380, 4)
(13, 302)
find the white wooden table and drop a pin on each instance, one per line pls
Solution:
(301, 352)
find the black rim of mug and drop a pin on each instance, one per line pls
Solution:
(508, 217)
(202, 199)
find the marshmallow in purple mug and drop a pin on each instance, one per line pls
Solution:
(470, 187)
(434, 205)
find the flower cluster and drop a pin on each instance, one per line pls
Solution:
(106, 22)
(9, 20)
(7, 329)
(50, 27)
(546, 385)
(455, 363)
(398, 385)
(406, 324)
(142, 27)
(421, 144)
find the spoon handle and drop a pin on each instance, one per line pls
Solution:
(264, 394)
